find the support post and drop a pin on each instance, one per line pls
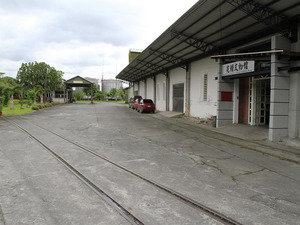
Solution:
(280, 88)
(167, 91)
(92, 93)
(188, 88)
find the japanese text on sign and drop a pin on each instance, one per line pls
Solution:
(237, 68)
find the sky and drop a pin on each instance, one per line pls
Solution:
(89, 38)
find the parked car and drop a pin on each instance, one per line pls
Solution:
(136, 103)
(146, 105)
(132, 101)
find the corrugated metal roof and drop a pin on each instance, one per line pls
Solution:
(212, 27)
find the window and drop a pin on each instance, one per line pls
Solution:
(59, 94)
(203, 87)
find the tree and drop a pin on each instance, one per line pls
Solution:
(39, 92)
(1, 105)
(87, 90)
(78, 95)
(39, 74)
(31, 96)
(113, 92)
(120, 94)
(99, 95)
(7, 90)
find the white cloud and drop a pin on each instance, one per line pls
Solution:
(81, 37)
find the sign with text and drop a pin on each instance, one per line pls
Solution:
(237, 68)
(78, 82)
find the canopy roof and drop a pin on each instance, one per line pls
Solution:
(212, 27)
(78, 82)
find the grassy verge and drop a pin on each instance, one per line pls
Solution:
(16, 111)
(6, 111)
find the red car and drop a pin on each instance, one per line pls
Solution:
(132, 101)
(146, 105)
(136, 103)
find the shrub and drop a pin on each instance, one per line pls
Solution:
(35, 107)
(1, 103)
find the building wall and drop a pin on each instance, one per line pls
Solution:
(142, 89)
(160, 92)
(136, 88)
(176, 76)
(200, 107)
(294, 96)
(150, 88)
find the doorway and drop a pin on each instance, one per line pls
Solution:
(262, 103)
(259, 101)
(178, 97)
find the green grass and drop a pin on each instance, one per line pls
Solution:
(6, 111)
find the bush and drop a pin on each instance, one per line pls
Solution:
(6, 97)
(45, 105)
(1, 103)
(35, 107)
(31, 95)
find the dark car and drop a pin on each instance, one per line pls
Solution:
(132, 101)
(136, 103)
(146, 105)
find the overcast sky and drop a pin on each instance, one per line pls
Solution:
(81, 37)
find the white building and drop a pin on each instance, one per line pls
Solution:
(236, 60)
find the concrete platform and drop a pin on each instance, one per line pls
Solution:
(170, 114)
(243, 131)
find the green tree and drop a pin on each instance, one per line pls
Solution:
(87, 90)
(31, 96)
(39, 74)
(113, 92)
(120, 94)
(78, 95)
(8, 87)
(99, 95)
(1, 105)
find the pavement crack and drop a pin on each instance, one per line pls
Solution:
(2, 216)
(234, 177)
(207, 163)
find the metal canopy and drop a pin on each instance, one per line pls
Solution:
(212, 27)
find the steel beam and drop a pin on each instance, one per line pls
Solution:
(263, 14)
(194, 42)
(151, 66)
(169, 58)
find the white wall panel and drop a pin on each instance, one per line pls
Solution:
(150, 88)
(142, 89)
(200, 108)
(160, 101)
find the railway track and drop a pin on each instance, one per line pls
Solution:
(105, 196)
